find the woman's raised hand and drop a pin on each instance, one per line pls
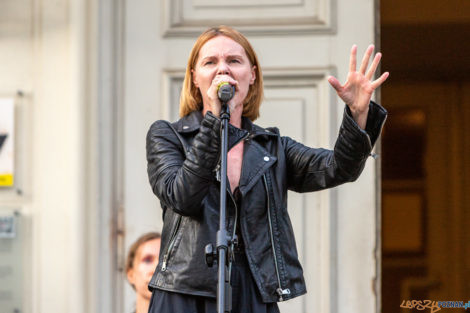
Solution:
(358, 89)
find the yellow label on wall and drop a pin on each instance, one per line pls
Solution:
(6, 180)
(7, 139)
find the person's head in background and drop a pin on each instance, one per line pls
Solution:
(141, 262)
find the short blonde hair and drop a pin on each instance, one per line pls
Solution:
(191, 98)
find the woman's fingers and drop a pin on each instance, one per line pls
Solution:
(352, 59)
(365, 59)
(373, 67)
(359, 78)
(335, 83)
(376, 83)
(223, 79)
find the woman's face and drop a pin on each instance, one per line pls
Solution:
(145, 262)
(221, 56)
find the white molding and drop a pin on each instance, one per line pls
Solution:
(247, 3)
(183, 18)
(172, 83)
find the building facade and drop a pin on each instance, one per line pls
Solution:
(88, 78)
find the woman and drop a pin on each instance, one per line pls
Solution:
(141, 261)
(183, 160)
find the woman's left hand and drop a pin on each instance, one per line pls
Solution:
(358, 89)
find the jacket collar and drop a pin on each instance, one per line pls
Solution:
(254, 129)
(189, 123)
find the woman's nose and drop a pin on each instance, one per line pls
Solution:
(223, 69)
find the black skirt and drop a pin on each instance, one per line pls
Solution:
(245, 296)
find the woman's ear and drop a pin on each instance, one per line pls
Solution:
(131, 276)
(193, 77)
(253, 75)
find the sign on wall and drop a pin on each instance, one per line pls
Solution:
(7, 127)
(11, 261)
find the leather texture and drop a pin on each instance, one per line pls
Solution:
(183, 158)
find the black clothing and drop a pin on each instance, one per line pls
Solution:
(182, 166)
(245, 296)
(237, 196)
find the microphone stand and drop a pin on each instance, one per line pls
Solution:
(224, 290)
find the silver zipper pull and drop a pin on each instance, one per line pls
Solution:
(217, 172)
(282, 292)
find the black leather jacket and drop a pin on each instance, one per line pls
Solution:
(182, 162)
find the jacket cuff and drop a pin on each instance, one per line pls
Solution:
(211, 121)
(359, 140)
(375, 121)
(202, 159)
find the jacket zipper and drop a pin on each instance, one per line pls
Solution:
(281, 292)
(171, 244)
(219, 158)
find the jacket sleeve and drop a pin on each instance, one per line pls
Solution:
(310, 169)
(180, 181)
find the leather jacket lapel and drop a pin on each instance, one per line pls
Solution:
(256, 161)
(189, 123)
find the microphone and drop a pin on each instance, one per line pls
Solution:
(225, 92)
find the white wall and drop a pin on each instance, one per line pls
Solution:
(42, 52)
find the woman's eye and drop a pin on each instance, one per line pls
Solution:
(234, 61)
(208, 63)
(148, 259)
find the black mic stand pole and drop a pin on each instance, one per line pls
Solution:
(224, 290)
(224, 242)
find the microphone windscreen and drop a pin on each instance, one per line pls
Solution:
(225, 92)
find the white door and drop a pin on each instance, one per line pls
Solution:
(299, 43)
